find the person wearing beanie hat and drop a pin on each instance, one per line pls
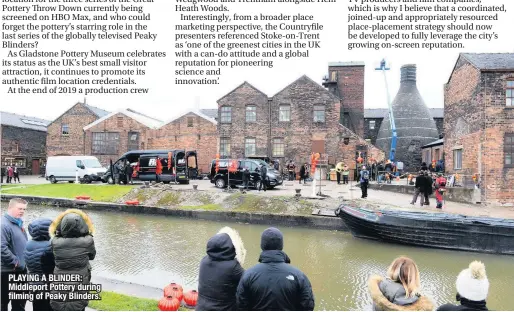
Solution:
(220, 272)
(274, 284)
(472, 288)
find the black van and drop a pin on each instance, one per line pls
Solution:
(183, 166)
(222, 178)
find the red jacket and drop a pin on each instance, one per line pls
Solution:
(158, 170)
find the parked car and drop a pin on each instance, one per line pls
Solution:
(223, 178)
(68, 168)
(183, 166)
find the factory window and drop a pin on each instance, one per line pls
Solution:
(226, 114)
(18, 162)
(508, 150)
(119, 121)
(372, 125)
(225, 147)
(278, 147)
(346, 120)
(333, 77)
(133, 141)
(251, 113)
(190, 122)
(457, 159)
(509, 93)
(319, 113)
(250, 147)
(105, 143)
(284, 113)
(65, 129)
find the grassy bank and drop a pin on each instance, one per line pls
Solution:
(112, 301)
(68, 190)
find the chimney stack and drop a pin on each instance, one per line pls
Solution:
(408, 73)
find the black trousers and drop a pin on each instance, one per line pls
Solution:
(16, 305)
(345, 179)
(17, 176)
(364, 188)
(263, 184)
(338, 174)
(291, 175)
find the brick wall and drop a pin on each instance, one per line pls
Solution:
(301, 131)
(301, 134)
(25, 144)
(433, 151)
(121, 124)
(350, 84)
(238, 129)
(76, 118)
(372, 133)
(202, 137)
(476, 120)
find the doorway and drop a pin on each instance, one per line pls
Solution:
(35, 167)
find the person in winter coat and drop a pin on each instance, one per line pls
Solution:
(73, 246)
(263, 178)
(364, 181)
(419, 187)
(472, 289)
(399, 291)
(220, 272)
(14, 240)
(439, 185)
(39, 257)
(424, 166)
(339, 171)
(303, 173)
(10, 174)
(428, 187)
(346, 174)
(274, 284)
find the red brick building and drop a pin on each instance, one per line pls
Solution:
(300, 119)
(65, 135)
(479, 123)
(23, 143)
(193, 130)
(117, 133)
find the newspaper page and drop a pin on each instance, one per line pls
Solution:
(249, 154)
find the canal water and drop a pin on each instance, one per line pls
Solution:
(156, 250)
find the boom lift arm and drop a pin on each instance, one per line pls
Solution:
(392, 152)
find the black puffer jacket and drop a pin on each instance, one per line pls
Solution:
(73, 247)
(274, 285)
(38, 252)
(220, 273)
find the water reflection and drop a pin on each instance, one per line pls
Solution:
(155, 250)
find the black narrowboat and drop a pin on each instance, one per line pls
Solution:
(436, 230)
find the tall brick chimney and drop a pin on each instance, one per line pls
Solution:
(346, 81)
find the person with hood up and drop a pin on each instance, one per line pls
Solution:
(220, 272)
(73, 246)
(472, 289)
(39, 257)
(400, 290)
(274, 284)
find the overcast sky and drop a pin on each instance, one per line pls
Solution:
(166, 100)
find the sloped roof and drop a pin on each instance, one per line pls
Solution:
(308, 79)
(491, 61)
(143, 119)
(436, 112)
(21, 121)
(245, 83)
(435, 143)
(196, 112)
(210, 112)
(97, 111)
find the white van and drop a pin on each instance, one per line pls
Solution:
(64, 168)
